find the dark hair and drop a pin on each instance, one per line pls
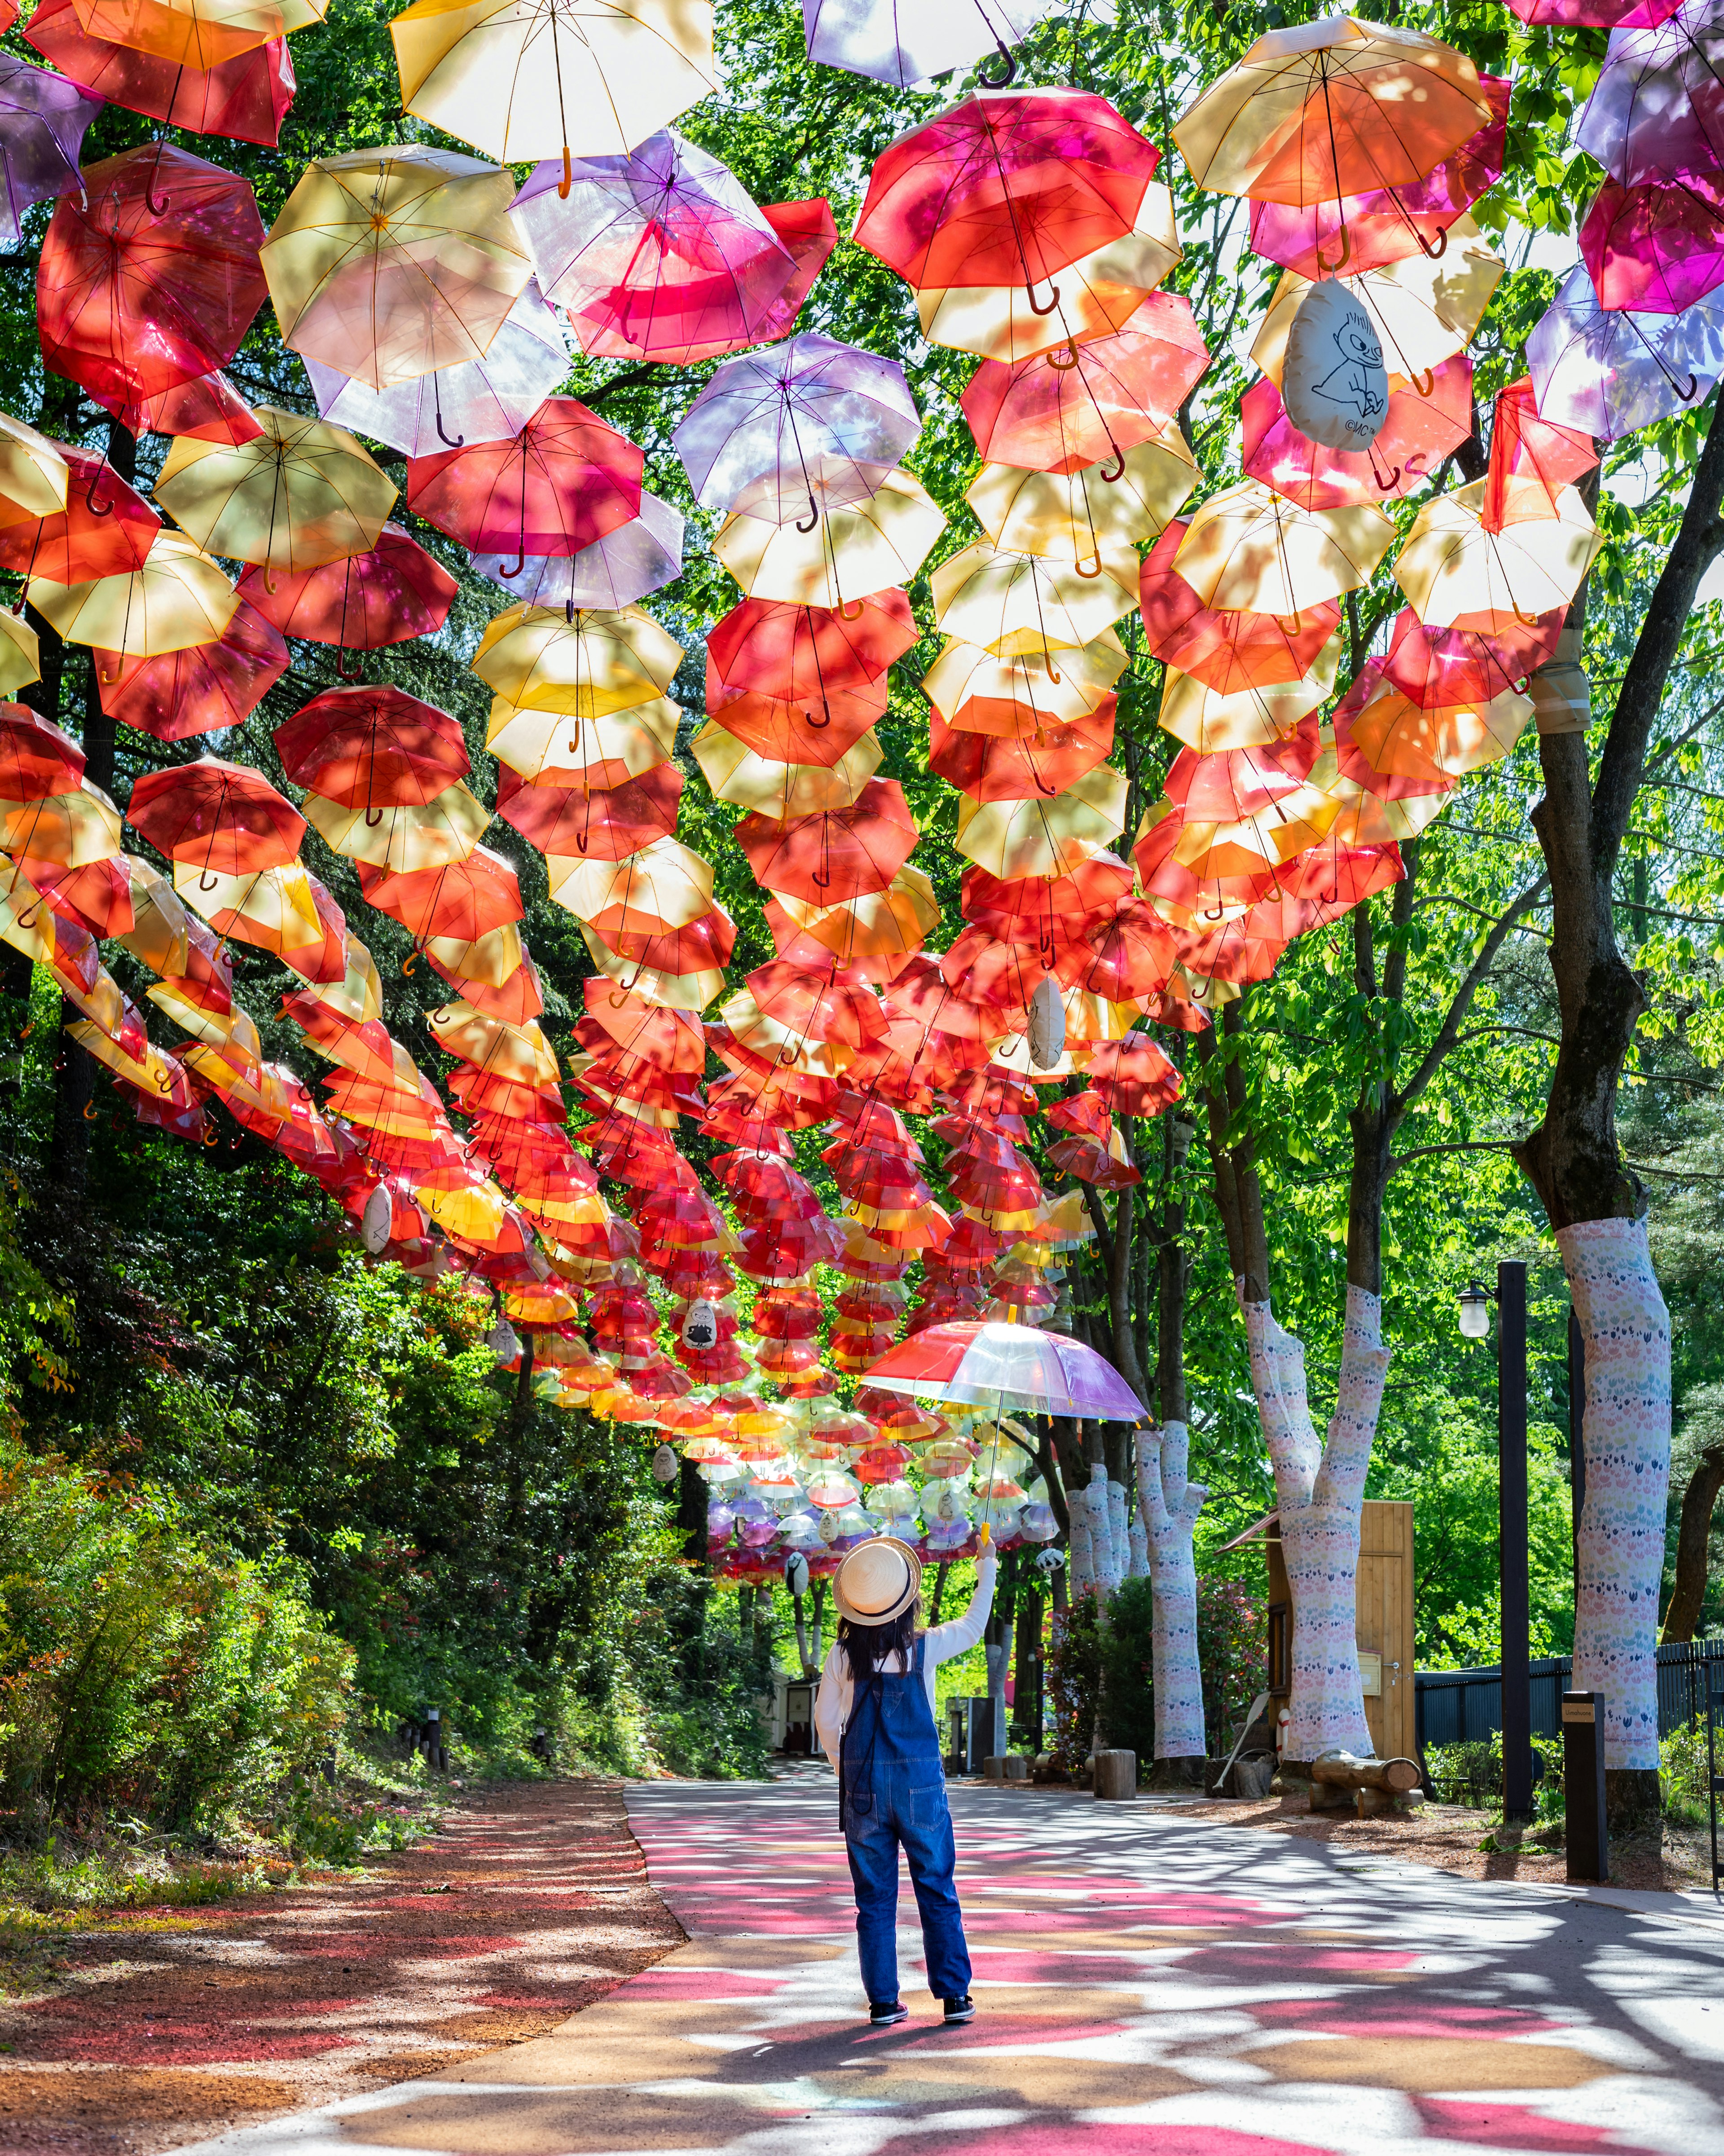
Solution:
(867, 1646)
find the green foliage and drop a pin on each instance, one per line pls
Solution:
(1074, 1680)
(1232, 1643)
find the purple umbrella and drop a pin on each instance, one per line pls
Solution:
(1658, 248)
(805, 426)
(42, 118)
(903, 42)
(1657, 111)
(1008, 1366)
(637, 558)
(1613, 372)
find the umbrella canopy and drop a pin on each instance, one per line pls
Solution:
(391, 594)
(178, 597)
(208, 406)
(905, 46)
(36, 758)
(1072, 516)
(372, 746)
(197, 33)
(736, 773)
(546, 748)
(1010, 603)
(461, 902)
(1332, 108)
(245, 98)
(1227, 649)
(487, 399)
(42, 118)
(1611, 373)
(1531, 460)
(1459, 665)
(273, 908)
(990, 1364)
(991, 769)
(663, 887)
(199, 689)
(531, 79)
(1387, 743)
(1457, 572)
(596, 664)
(387, 265)
(810, 425)
(1023, 694)
(153, 278)
(837, 855)
(106, 528)
(1091, 404)
(889, 924)
(627, 565)
(1658, 246)
(1655, 112)
(845, 554)
(1005, 187)
(20, 654)
(1418, 432)
(70, 829)
(566, 480)
(223, 818)
(302, 494)
(800, 653)
(1049, 837)
(600, 826)
(817, 729)
(1255, 551)
(34, 476)
(1211, 722)
(1422, 311)
(402, 836)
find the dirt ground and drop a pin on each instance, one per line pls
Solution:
(531, 1902)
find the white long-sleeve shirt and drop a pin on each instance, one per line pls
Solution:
(832, 1708)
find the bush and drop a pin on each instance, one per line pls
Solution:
(1232, 1647)
(1682, 1765)
(1074, 1672)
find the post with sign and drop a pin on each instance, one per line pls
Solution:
(1589, 1842)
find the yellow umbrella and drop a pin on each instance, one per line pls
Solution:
(32, 473)
(487, 960)
(1209, 722)
(736, 773)
(429, 836)
(1446, 741)
(1020, 604)
(273, 908)
(1423, 312)
(358, 995)
(1364, 818)
(601, 751)
(519, 1053)
(303, 493)
(786, 1045)
(1098, 294)
(387, 265)
(159, 1073)
(592, 665)
(662, 887)
(1247, 548)
(893, 923)
(103, 1002)
(159, 936)
(1024, 693)
(477, 1213)
(1453, 570)
(179, 599)
(20, 653)
(530, 79)
(71, 830)
(849, 553)
(1072, 516)
(1050, 837)
(682, 992)
(233, 1034)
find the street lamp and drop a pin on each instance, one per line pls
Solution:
(1510, 1299)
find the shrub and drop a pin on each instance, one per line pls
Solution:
(1231, 1646)
(1073, 1671)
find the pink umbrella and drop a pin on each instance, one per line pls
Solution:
(565, 482)
(1008, 1366)
(1656, 248)
(1417, 434)
(198, 691)
(392, 594)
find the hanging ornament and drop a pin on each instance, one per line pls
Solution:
(1334, 384)
(699, 1328)
(503, 1341)
(1047, 1024)
(666, 1467)
(377, 1221)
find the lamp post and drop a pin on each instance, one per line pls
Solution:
(1510, 1299)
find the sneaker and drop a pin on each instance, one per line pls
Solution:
(883, 2014)
(959, 2010)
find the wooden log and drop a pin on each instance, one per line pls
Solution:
(1345, 1770)
(1117, 1776)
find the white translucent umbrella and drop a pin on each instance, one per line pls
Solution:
(905, 42)
(637, 559)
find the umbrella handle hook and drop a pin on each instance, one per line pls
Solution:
(518, 568)
(156, 208)
(97, 508)
(373, 816)
(1053, 298)
(850, 613)
(807, 523)
(1691, 391)
(1424, 384)
(567, 180)
(460, 441)
(1063, 365)
(818, 725)
(342, 666)
(1384, 485)
(411, 960)
(1000, 81)
(1525, 620)
(1091, 575)
(1118, 461)
(206, 881)
(1334, 267)
(1432, 254)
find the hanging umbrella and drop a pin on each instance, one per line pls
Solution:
(273, 908)
(1456, 573)
(736, 773)
(20, 654)
(462, 903)
(1071, 516)
(1332, 108)
(817, 729)
(35, 478)
(1227, 649)
(154, 278)
(177, 598)
(837, 855)
(391, 594)
(660, 888)
(1044, 837)
(1054, 910)
(566, 480)
(36, 758)
(245, 98)
(1210, 721)
(487, 399)
(302, 494)
(1655, 112)
(597, 825)
(1531, 460)
(990, 769)
(200, 34)
(1022, 693)
(1611, 373)
(405, 835)
(1593, 14)
(199, 689)
(801, 652)
(846, 553)
(809, 425)
(70, 828)
(626, 566)
(1388, 224)
(1125, 958)
(905, 46)
(1387, 743)
(884, 924)
(1657, 247)
(1418, 432)
(209, 407)
(99, 894)
(1008, 1366)
(1252, 550)
(1005, 187)
(1235, 785)
(387, 265)
(1091, 404)
(547, 750)
(596, 664)
(1422, 311)
(1459, 665)
(222, 817)
(43, 118)
(106, 528)
(371, 746)
(1010, 603)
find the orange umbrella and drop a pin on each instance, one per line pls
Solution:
(1208, 721)
(1045, 763)
(1024, 694)
(834, 855)
(1389, 744)
(71, 829)
(224, 818)
(1227, 648)
(463, 900)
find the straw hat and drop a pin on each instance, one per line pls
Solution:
(878, 1581)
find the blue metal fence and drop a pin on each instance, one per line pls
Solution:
(1460, 1706)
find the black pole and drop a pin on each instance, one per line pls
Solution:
(1576, 1435)
(1511, 1531)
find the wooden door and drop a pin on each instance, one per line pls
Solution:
(1385, 1625)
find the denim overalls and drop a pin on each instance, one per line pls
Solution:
(892, 1793)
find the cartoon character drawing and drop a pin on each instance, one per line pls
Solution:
(1358, 382)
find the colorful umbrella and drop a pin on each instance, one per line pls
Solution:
(391, 594)
(20, 654)
(34, 476)
(810, 425)
(106, 528)
(800, 653)
(1008, 1366)
(71, 829)
(1023, 603)
(177, 598)
(1023, 694)
(36, 758)
(1227, 650)
(208, 406)
(1655, 112)
(566, 480)
(1211, 722)
(906, 46)
(547, 750)
(1418, 432)
(302, 494)
(1610, 373)
(1458, 666)
(43, 118)
(461, 902)
(1531, 460)
(600, 826)
(843, 555)
(387, 265)
(1071, 516)
(1457, 572)
(245, 98)
(200, 34)
(153, 278)
(1657, 247)
(836, 855)
(817, 729)
(402, 836)
(372, 746)
(1250, 550)
(736, 773)
(1387, 743)
(1051, 837)
(638, 559)
(200, 689)
(991, 769)
(222, 818)
(596, 664)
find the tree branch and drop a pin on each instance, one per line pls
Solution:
(1456, 1017)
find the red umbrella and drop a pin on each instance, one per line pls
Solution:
(1233, 784)
(603, 825)
(1417, 434)
(208, 407)
(246, 98)
(199, 690)
(1214, 894)
(702, 945)
(372, 746)
(815, 1005)
(1005, 188)
(1229, 649)
(1248, 948)
(817, 730)
(1335, 877)
(835, 854)
(802, 654)
(99, 894)
(209, 978)
(463, 901)
(225, 818)
(1531, 460)
(154, 278)
(1133, 1076)
(1056, 909)
(566, 480)
(36, 760)
(390, 595)
(1130, 955)
(1437, 666)
(106, 528)
(991, 769)
(1082, 403)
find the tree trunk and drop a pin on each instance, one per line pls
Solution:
(1170, 1505)
(1689, 1594)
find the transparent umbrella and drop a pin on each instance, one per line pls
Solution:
(1612, 372)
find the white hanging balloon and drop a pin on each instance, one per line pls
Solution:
(1334, 384)
(665, 1465)
(1047, 1024)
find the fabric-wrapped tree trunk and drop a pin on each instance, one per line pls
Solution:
(1168, 1506)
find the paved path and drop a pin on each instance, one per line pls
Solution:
(1149, 1986)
